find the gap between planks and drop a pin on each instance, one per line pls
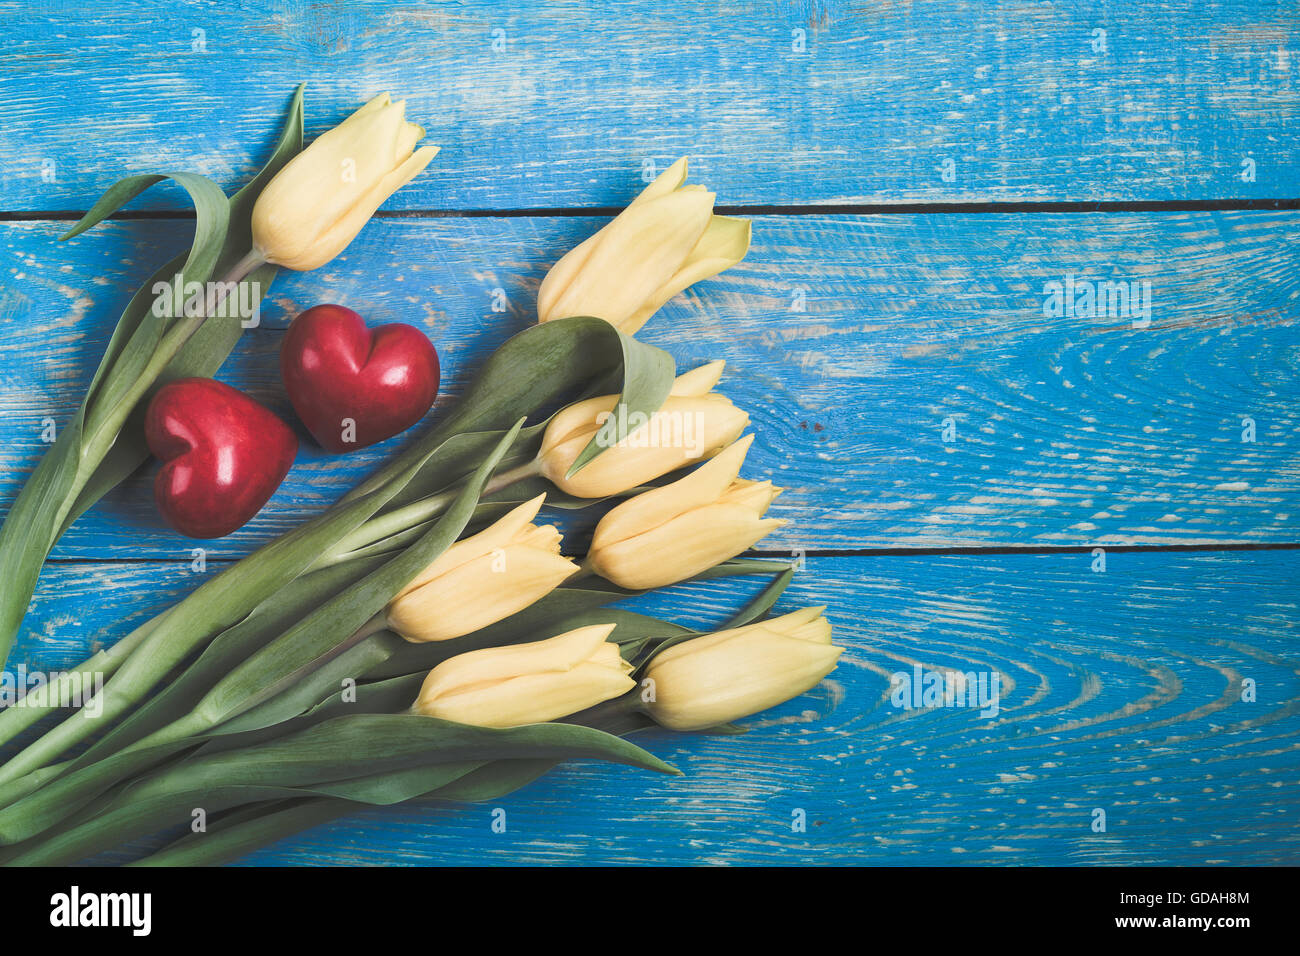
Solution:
(806, 209)
(1208, 548)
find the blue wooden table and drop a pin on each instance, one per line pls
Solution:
(1102, 506)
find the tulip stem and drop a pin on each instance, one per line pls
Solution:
(193, 725)
(56, 740)
(218, 290)
(116, 400)
(512, 475)
(373, 626)
(417, 512)
(98, 667)
(103, 432)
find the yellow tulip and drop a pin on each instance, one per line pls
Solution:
(676, 531)
(664, 241)
(692, 424)
(721, 677)
(527, 683)
(320, 200)
(482, 579)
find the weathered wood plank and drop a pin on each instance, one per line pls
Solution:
(1112, 697)
(1067, 430)
(563, 104)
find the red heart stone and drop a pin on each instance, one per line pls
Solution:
(223, 455)
(352, 386)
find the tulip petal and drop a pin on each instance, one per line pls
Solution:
(560, 276)
(496, 536)
(667, 182)
(553, 655)
(756, 495)
(642, 258)
(682, 548)
(682, 431)
(702, 690)
(371, 105)
(782, 625)
(407, 137)
(533, 698)
(635, 254)
(817, 631)
(326, 182)
(339, 234)
(699, 381)
(527, 683)
(651, 509)
(722, 246)
(786, 623)
(580, 418)
(545, 537)
(584, 417)
(478, 593)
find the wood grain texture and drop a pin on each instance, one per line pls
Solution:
(1120, 691)
(562, 104)
(1069, 430)
(907, 382)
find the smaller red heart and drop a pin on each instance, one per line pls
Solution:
(351, 386)
(223, 455)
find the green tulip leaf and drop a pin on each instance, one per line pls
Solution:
(104, 443)
(647, 381)
(544, 366)
(273, 617)
(207, 349)
(321, 633)
(238, 832)
(332, 758)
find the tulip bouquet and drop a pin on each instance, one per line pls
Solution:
(298, 212)
(425, 636)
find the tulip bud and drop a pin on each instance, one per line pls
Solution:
(693, 423)
(676, 531)
(720, 677)
(527, 683)
(482, 579)
(664, 241)
(322, 197)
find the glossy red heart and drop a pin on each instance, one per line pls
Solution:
(352, 386)
(223, 455)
